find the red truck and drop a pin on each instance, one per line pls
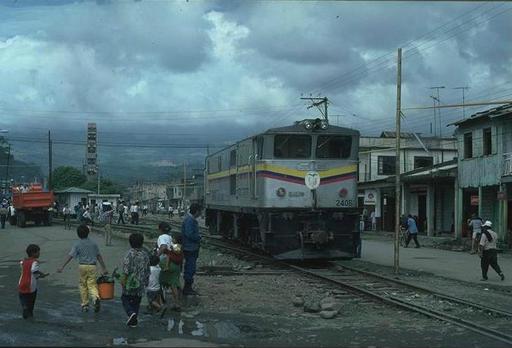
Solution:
(32, 204)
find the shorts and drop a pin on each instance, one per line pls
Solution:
(153, 295)
(476, 234)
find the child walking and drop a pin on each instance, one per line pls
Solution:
(171, 271)
(135, 277)
(27, 285)
(86, 252)
(154, 291)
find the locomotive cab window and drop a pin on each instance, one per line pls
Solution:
(333, 146)
(292, 146)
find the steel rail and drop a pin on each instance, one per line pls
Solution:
(431, 313)
(429, 291)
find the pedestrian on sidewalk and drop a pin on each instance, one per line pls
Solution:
(4, 209)
(135, 278)
(488, 251)
(191, 243)
(134, 210)
(412, 228)
(86, 217)
(66, 213)
(107, 218)
(120, 211)
(373, 219)
(27, 285)
(475, 225)
(86, 252)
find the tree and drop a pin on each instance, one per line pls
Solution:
(65, 176)
(107, 186)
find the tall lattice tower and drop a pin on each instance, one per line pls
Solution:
(91, 155)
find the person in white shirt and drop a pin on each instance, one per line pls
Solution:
(488, 251)
(153, 290)
(66, 212)
(134, 210)
(164, 241)
(86, 217)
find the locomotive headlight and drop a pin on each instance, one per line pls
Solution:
(281, 192)
(324, 125)
(343, 193)
(308, 125)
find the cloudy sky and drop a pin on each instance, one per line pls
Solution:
(209, 72)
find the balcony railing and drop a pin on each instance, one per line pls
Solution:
(507, 164)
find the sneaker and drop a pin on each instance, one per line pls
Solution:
(483, 279)
(502, 277)
(85, 308)
(417, 246)
(132, 320)
(97, 305)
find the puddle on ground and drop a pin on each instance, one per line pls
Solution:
(216, 329)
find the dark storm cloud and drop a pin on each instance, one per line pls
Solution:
(121, 57)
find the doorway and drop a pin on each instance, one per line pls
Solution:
(422, 212)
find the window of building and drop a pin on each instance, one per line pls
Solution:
(387, 165)
(421, 162)
(232, 184)
(232, 158)
(468, 145)
(220, 163)
(331, 146)
(487, 141)
(292, 146)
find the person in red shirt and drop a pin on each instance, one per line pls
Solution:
(27, 286)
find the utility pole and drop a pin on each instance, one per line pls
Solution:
(435, 122)
(397, 163)
(318, 101)
(463, 99)
(49, 161)
(184, 183)
(7, 169)
(439, 110)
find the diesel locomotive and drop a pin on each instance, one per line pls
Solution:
(290, 191)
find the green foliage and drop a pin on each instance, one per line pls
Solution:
(107, 186)
(66, 176)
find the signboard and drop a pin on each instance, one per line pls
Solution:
(312, 180)
(502, 196)
(474, 200)
(370, 197)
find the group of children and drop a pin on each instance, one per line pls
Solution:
(143, 271)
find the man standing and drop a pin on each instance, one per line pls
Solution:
(107, 216)
(488, 251)
(191, 243)
(475, 224)
(3, 212)
(134, 209)
(120, 211)
(413, 231)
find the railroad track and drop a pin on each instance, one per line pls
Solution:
(490, 322)
(484, 320)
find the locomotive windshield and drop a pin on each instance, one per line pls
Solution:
(292, 146)
(333, 146)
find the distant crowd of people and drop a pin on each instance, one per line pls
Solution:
(155, 273)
